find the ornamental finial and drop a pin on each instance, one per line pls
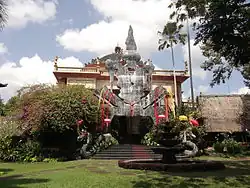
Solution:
(130, 41)
(55, 62)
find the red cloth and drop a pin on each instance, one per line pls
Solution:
(79, 122)
(194, 122)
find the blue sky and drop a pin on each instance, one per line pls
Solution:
(80, 30)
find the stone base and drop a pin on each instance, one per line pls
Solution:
(168, 154)
(157, 165)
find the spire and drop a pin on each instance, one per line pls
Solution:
(130, 41)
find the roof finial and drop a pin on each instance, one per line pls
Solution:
(130, 41)
(55, 62)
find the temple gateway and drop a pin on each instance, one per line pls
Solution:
(95, 75)
(130, 89)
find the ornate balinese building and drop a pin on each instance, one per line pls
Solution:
(95, 75)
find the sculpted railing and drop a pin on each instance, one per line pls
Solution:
(105, 72)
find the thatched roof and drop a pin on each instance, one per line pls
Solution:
(225, 113)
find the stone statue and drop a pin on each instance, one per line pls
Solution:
(131, 76)
(130, 41)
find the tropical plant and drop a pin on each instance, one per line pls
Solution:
(168, 38)
(222, 30)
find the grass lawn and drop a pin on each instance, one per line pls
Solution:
(107, 174)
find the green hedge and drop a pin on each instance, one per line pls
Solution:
(46, 112)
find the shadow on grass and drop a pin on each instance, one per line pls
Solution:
(236, 174)
(18, 180)
(5, 171)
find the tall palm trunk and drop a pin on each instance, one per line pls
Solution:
(190, 66)
(3, 13)
(175, 82)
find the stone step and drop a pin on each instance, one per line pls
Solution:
(126, 151)
(124, 154)
(121, 158)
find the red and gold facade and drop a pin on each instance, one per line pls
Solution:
(95, 76)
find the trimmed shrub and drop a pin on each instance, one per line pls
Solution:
(219, 147)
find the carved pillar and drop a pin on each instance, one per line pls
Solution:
(55, 63)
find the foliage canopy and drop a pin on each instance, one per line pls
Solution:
(223, 30)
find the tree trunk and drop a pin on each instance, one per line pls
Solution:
(175, 82)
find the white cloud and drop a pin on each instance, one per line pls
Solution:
(197, 59)
(30, 70)
(146, 17)
(157, 68)
(203, 89)
(185, 98)
(242, 91)
(21, 12)
(3, 48)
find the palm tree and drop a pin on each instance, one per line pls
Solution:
(3, 21)
(169, 37)
(3, 13)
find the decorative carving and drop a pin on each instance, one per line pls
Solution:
(55, 62)
(186, 67)
(130, 41)
(135, 97)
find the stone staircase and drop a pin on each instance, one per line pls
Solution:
(126, 151)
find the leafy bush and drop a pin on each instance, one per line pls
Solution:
(50, 160)
(148, 140)
(225, 143)
(232, 146)
(8, 127)
(10, 106)
(219, 147)
(57, 108)
(27, 151)
(47, 111)
(13, 145)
